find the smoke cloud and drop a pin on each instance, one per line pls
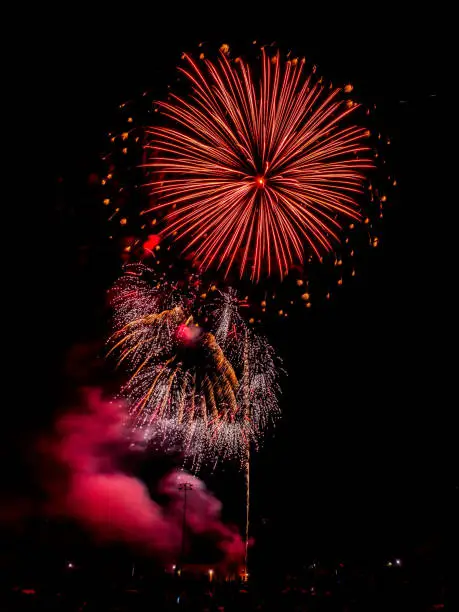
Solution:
(86, 450)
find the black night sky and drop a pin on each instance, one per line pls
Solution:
(361, 465)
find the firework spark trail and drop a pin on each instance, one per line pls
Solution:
(188, 384)
(254, 173)
(252, 356)
(247, 509)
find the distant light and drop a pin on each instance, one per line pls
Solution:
(70, 565)
(174, 567)
(398, 562)
(389, 564)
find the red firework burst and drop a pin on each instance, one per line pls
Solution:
(255, 171)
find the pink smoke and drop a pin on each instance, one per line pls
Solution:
(115, 505)
(203, 513)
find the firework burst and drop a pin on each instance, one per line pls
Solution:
(213, 388)
(255, 174)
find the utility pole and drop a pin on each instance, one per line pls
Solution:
(185, 487)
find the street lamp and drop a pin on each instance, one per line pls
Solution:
(185, 487)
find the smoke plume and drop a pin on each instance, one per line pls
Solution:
(87, 449)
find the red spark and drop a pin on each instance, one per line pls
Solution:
(152, 242)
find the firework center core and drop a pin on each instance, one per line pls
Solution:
(260, 180)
